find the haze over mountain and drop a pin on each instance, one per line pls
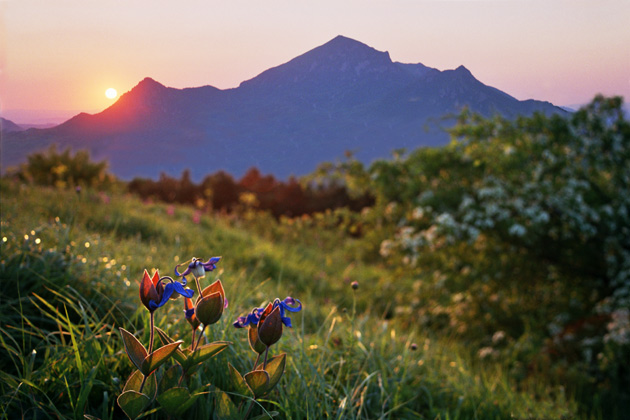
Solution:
(343, 95)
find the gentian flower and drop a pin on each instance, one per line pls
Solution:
(265, 324)
(153, 292)
(285, 305)
(198, 268)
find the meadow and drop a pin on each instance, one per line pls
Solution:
(476, 286)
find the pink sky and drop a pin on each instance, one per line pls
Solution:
(57, 57)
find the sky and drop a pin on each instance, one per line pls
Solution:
(58, 57)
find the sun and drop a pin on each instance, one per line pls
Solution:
(111, 93)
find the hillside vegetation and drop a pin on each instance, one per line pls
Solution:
(488, 279)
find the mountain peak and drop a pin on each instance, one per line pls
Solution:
(463, 70)
(344, 46)
(344, 41)
(149, 84)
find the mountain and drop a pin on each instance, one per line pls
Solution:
(343, 95)
(8, 126)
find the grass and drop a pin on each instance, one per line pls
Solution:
(71, 264)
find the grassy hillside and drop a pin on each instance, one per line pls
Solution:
(71, 267)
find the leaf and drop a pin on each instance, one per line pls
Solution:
(135, 350)
(275, 368)
(133, 403)
(238, 382)
(179, 355)
(225, 408)
(216, 287)
(158, 357)
(176, 401)
(171, 378)
(254, 342)
(205, 352)
(135, 381)
(258, 381)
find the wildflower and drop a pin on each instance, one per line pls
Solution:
(354, 285)
(285, 305)
(265, 324)
(198, 268)
(153, 292)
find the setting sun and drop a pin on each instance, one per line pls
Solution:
(111, 93)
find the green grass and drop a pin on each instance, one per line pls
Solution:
(71, 266)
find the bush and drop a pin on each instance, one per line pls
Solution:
(64, 170)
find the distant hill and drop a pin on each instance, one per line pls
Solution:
(343, 95)
(7, 126)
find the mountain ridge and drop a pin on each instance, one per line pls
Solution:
(342, 95)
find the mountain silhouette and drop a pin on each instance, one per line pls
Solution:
(342, 95)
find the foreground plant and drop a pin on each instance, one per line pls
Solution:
(153, 294)
(264, 330)
(173, 393)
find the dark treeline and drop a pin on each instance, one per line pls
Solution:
(219, 191)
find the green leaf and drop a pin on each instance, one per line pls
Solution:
(171, 378)
(205, 352)
(258, 381)
(275, 368)
(135, 350)
(135, 381)
(133, 403)
(176, 401)
(179, 355)
(238, 382)
(158, 357)
(225, 408)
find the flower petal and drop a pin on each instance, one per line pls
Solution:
(290, 301)
(148, 292)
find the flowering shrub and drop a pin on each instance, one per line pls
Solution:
(520, 226)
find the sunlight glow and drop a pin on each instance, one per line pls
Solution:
(111, 93)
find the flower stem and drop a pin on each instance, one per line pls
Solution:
(144, 379)
(249, 409)
(199, 339)
(152, 326)
(198, 287)
(266, 353)
(256, 362)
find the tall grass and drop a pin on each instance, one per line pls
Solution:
(70, 267)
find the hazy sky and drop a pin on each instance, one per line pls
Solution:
(64, 54)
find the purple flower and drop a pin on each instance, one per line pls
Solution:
(198, 268)
(153, 292)
(288, 304)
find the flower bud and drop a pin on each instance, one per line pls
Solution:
(270, 326)
(209, 308)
